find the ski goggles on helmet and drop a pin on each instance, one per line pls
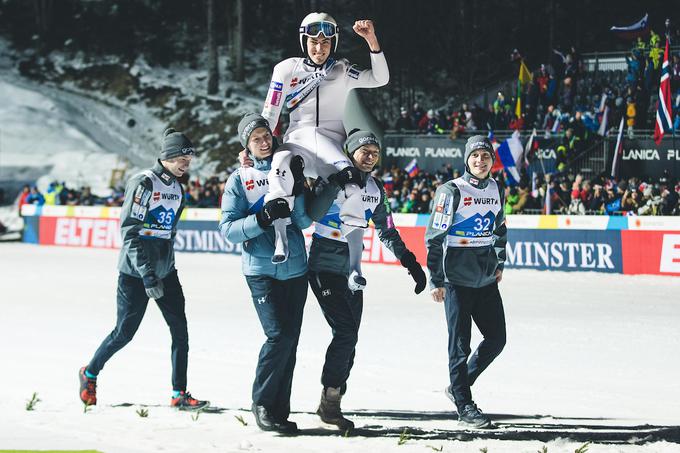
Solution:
(328, 29)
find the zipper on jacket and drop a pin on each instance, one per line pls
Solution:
(317, 106)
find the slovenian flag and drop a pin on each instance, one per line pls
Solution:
(412, 168)
(510, 153)
(663, 111)
(388, 183)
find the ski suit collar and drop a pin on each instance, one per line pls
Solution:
(162, 173)
(475, 181)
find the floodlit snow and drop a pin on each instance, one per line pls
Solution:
(597, 351)
(35, 132)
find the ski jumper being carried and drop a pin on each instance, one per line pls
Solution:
(315, 89)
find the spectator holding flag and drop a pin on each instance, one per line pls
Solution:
(412, 168)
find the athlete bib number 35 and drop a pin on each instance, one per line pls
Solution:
(165, 217)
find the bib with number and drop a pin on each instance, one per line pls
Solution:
(164, 203)
(474, 220)
(329, 225)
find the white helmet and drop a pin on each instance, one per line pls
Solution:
(315, 24)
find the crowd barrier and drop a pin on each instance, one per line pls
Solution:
(627, 245)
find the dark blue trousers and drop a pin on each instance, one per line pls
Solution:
(280, 305)
(342, 309)
(132, 301)
(485, 307)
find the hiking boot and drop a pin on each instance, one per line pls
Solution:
(470, 416)
(329, 409)
(186, 402)
(267, 422)
(88, 388)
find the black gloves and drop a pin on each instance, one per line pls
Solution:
(153, 286)
(272, 210)
(348, 175)
(297, 169)
(408, 260)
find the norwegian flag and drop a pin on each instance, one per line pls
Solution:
(663, 110)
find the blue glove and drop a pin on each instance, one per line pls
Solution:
(153, 286)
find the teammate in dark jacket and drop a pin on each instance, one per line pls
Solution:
(465, 241)
(329, 267)
(154, 200)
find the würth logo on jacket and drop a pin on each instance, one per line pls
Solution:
(467, 201)
(250, 184)
(486, 201)
(156, 196)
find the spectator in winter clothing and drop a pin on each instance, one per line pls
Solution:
(35, 197)
(404, 122)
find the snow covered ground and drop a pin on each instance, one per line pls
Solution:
(589, 357)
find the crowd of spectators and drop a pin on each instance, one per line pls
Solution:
(561, 95)
(569, 194)
(197, 195)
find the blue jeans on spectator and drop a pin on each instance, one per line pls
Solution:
(132, 302)
(485, 307)
(279, 305)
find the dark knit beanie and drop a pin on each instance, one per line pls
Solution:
(248, 124)
(175, 144)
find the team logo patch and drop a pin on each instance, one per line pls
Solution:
(294, 82)
(276, 86)
(467, 201)
(250, 184)
(389, 221)
(353, 73)
(156, 196)
(275, 98)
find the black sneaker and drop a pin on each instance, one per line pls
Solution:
(472, 417)
(88, 388)
(267, 422)
(185, 402)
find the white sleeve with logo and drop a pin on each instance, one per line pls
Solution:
(278, 89)
(377, 76)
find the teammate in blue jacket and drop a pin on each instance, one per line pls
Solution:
(279, 291)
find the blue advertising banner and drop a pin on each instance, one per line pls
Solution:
(565, 250)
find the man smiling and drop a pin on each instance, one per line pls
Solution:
(154, 200)
(466, 269)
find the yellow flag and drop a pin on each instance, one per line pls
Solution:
(524, 73)
(524, 76)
